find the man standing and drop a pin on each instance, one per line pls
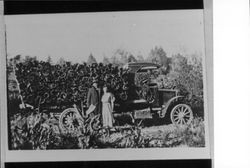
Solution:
(93, 99)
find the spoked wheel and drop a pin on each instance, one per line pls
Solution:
(181, 114)
(70, 120)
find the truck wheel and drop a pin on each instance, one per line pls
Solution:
(181, 114)
(69, 120)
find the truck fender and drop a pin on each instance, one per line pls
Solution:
(166, 105)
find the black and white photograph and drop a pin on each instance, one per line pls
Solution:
(124, 83)
(106, 80)
(97, 85)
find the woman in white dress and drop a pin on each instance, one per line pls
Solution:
(107, 107)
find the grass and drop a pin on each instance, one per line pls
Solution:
(192, 135)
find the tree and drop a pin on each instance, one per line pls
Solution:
(91, 59)
(131, 58)
(114, 60)
(30, 59)
(158, 55)
(105, 61)
(140, 58)
(120, 57)
(49, 60)
(17, 59)
(187, 76)
(195, 60)
(179, 63)
(61, 61)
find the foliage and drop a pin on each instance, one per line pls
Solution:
(120, 57)
(187, 76)
(29, 59)
(105, 61)
(49, 59)
(140, 58)
(33, 130)
(131, 58)
(44, 85)
(158, 56)
(38, 131)
(61, 61)
(192, 135)
(91, 60)
(184, 74)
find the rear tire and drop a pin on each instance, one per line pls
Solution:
(69, 120)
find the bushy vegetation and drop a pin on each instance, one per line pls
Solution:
(39, 131)
(192, 135)
(182, 72)
(31, 129)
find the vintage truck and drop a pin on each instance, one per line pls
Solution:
(148, 101)
(154, 100)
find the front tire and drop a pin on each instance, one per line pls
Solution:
(181, 114)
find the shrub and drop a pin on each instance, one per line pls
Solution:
(192, 135)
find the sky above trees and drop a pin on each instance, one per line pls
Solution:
(75, 36)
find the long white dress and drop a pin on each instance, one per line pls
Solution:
(107, 117)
